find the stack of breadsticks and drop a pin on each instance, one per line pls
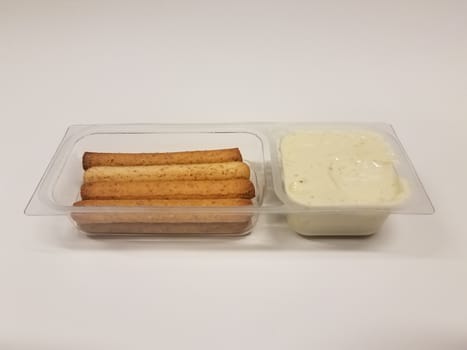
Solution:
(215, 178)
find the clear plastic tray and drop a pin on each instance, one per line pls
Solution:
(259, 144)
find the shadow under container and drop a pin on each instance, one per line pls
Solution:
(60, 186)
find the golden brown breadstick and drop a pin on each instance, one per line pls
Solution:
(226, 202)
(161, 217)
(91, 159)
(237, 188)
(207, 171)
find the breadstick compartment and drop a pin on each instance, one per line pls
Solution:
(176, 181)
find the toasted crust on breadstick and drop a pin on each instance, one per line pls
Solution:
(103, 218)
(227, 202)
(206, 171)
(161, 217)
(91, 159)
(155, 217)
(237, 188)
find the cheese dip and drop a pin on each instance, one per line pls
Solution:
(332, 167)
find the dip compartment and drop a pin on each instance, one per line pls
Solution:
(344, 219)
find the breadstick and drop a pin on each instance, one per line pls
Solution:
(94, 218)
(228, 202)
(91, 159)
(212, 171)
(161, 217)
(237, 188)
(106, 218)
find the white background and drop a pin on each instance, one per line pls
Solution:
(400, 62)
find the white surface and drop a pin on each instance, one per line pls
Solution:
(164, 61)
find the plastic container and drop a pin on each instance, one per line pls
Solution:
(259, 144)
